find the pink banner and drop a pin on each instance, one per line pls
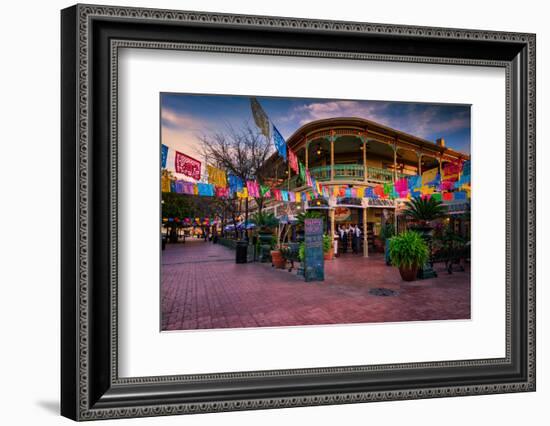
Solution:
(188, 166)
(293, 160)
(253, 188)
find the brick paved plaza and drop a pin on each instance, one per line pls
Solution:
(203, 288)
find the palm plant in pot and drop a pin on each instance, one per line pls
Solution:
(265, 222)
(387, 231)
(408, 252)
(423, 211)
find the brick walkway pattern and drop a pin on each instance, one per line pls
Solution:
(203, 288)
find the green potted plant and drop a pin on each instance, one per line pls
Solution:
(301, 257)
(327, 247)
(423, 211)
(387, 232)
(265, 223)
(408, 252)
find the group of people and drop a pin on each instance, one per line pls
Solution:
(347, 233)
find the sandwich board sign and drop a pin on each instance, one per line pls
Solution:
(314, 266)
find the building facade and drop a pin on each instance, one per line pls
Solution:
(358, 153)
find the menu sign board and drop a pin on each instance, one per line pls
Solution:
(314, 266)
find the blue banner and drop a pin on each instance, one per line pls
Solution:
(163, 155)
(414, 182)
(205, 189)
(279, 142)
(235, 183)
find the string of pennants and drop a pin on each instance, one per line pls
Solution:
(452, 182)
(191, 221)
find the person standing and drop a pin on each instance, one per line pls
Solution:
(344, 240)
(353, 239)
(357, 238)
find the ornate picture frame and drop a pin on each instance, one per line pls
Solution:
(91, 38)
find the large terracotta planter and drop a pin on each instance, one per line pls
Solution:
(408, 274)
(328, 255)
(277, 259)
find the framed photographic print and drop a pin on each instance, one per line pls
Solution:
(263, 212)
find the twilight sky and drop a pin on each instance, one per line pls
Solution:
(185, 117)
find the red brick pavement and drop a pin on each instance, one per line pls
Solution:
(202, 287)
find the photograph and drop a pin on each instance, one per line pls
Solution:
(268, 207)
(280, 211)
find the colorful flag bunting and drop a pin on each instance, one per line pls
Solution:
(279, 142)
(188, 166)
(216, 176)
(163, 155)
(222, 192)
(451, 171)
(253, 188)
(293, 160)
(308, 178)
(235, 184)
(265, 191)
(205, 189)
(260, 117)
(242, 193)
(165, 184)
(401, 185)
(430, 177)
(447, 196)
(302, 171)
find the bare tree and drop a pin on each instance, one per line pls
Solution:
(241, 152)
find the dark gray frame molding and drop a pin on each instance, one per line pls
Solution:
(91, 39)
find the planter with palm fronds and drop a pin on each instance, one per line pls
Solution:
(423, 211)
(266, 223)
(408, 252)
(387, 231)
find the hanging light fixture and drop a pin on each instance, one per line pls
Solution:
(319, 150)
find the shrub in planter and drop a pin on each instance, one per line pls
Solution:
(408, 252)
(327, 247)
(387, 232)
(265, 222)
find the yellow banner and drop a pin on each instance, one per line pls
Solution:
(165, 184)
(427, 190)
(298, 197)
(216, 176)
(360, 192)
(243, 193)
(429, 176)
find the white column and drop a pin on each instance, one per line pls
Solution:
(332, 155)
(365, 238)
(307, 154)
(419, 155)
(394, 161)
(364, 139)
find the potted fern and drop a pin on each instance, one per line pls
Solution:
(327, 247)
(408, 252)
(266, 223)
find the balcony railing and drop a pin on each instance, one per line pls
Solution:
(353, 172)
(295, 182)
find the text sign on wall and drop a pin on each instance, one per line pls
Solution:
(314, 266)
